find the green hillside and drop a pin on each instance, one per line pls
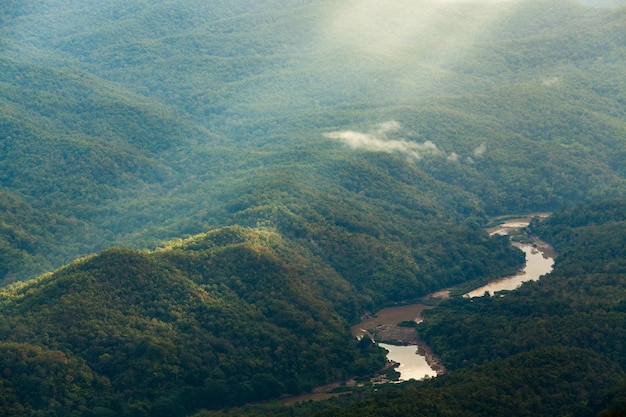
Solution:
(254, 176)
(140, 121)
(216, 320)
(552, 347)
(543, 327)
(77, 151)
(579, 304)
(546, 382)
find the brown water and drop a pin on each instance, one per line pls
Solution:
(390, 316)
(412, 365)
(539, 261)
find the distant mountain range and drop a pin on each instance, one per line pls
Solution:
(129, 123)
(353, 150)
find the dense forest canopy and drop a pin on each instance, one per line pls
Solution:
(524, 353)
(132, 122)
(220, 319)
(273, 170)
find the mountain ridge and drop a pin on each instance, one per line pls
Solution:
(156, 148)
(171, 319)
(243, 180)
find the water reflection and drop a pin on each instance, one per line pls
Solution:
(538, 263)
(412, 365)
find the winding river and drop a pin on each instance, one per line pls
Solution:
(537, 265)
(539, 261)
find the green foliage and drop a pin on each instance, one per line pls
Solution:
(127, 123)
(579, 304)
(37, 381)
(553, 381)
(148, 121)
(550, 381)
(553, 347)
(219, 320)
(27, 237)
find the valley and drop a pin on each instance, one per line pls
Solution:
(198, 201)
(415, 359)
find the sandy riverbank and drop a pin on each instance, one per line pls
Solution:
(431, 358)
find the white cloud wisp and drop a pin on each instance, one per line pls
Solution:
(378, 141)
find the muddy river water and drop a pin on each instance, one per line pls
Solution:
(537, 265)
(412, 365)
(539, 261)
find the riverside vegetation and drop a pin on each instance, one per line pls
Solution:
(252, 177)
(552, 347)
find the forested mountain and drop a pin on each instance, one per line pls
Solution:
(131, 122)
(552, 347)
(216, 320)
(353, 151)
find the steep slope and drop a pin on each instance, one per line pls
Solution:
(517, 103)
(124, 171)
(26, 236)
(363, 144)
(383, 227)
(74, 137)
(552, 347)
(231, 316)
(82, 152)
(579, 304)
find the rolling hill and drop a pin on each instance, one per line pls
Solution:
(218, 319)
(138, 122)
(255, 175)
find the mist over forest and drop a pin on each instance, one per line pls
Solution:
(198, 199)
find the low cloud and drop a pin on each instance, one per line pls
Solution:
(480, 151)
(453, 157)
(549, 82)
(378, 141)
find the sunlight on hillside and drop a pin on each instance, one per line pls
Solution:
(409, 42)
(441, 29)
